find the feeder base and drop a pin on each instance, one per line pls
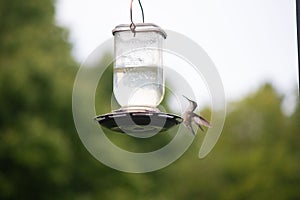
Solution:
(138, 121)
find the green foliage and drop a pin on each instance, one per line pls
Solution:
(41, 156)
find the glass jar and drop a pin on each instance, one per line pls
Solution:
(138, 66)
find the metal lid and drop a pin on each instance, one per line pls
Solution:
(140, 27)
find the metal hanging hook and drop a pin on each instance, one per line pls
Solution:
(132, 25)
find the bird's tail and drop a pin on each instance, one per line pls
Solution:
(191, 129)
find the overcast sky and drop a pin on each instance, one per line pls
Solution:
(250, 41)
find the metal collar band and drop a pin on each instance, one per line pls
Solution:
(140, 27)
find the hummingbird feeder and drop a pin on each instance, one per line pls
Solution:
(138, 80)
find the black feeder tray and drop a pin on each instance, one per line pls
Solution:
(138, 121)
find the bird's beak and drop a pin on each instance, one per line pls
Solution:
(186, 98)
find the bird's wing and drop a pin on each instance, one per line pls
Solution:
(200, 121)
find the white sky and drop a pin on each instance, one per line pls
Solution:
(250, 41)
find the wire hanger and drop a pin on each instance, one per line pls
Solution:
(132, 25)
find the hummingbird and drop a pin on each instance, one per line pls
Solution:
(190, 117)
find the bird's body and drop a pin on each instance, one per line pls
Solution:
(189, 117)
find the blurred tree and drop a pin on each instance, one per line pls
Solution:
(36, 75)
(33, 53)
(255, 158)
